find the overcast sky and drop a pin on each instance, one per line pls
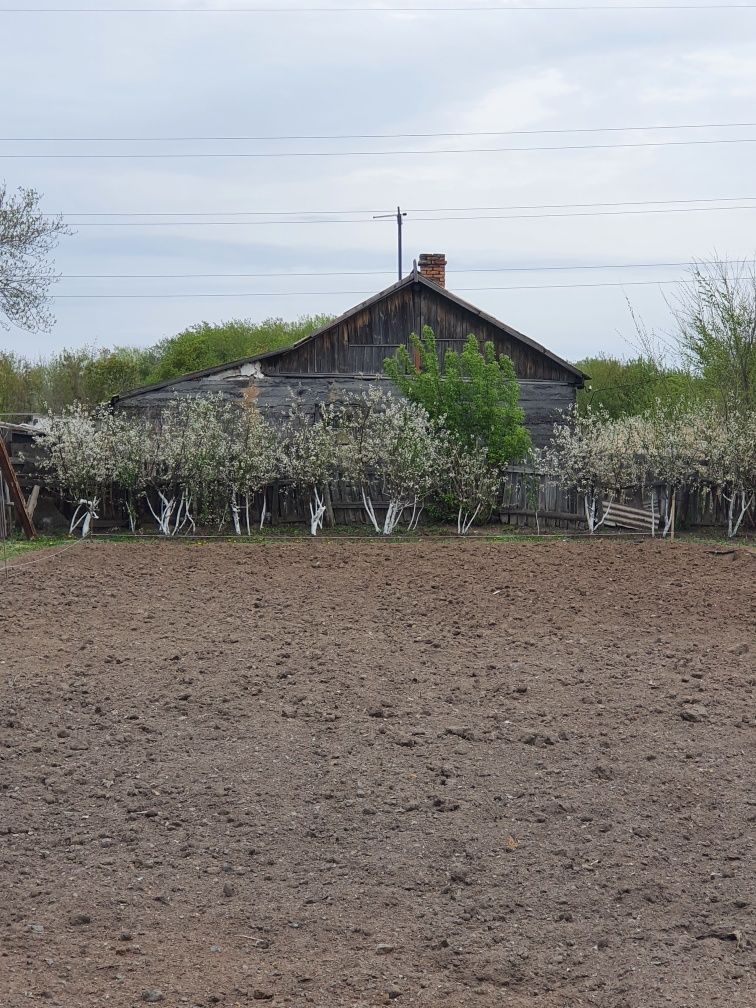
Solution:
(178, 74)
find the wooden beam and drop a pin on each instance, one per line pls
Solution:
(31, 504)
(17, 497)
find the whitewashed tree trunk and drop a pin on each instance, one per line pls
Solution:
(415, 516)
(246, 513)
(465, 520)
(317, 511)
(370, 510)
(235, 513)
(167, 507)
(746, 500)
(84, 515)
(670, 502)
(393, 515)
(173, 517)
(590, 502)
(182, 520)
(131, 512)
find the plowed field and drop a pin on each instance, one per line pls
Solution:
(353, 774)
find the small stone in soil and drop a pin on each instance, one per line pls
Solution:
(153, 996)
(694, 712)
(80, 918)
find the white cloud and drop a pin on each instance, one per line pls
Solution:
(516, 103)
(231, 75)
(703, 74)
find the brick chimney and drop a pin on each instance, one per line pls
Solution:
(433, 266)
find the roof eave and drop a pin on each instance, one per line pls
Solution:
(503, 326)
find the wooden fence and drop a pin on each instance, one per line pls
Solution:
(527, 499)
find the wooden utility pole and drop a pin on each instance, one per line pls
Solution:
(14, 488)
(399, 215)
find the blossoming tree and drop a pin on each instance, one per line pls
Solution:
(77, 457)
(254, 460)
(394, 443)
(597, 456)
(468, 480)
(309, 457)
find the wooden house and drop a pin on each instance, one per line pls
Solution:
(344, 355)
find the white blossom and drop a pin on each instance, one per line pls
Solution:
(393, 443)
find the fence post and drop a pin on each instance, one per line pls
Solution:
(9, 474)
(3, 510)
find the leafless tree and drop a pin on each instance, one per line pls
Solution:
(27, 237)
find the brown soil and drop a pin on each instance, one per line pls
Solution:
(349, 774)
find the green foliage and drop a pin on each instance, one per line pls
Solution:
(473, 394)
(16, 382)
(205, 345)
(715, 313)
(621, 388)
(87, 376)
(91, 376)
(113, 371)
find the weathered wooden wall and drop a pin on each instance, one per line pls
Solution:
(360, 342)
(543, 402)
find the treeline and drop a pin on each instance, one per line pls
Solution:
(620, 388)
(708, 354)
(92, 376)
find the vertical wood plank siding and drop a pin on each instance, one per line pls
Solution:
(361, 342)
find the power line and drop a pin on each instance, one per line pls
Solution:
(600, 8)
(598, 213)
(247, 294)
(369, 220)
(329, 273)
(380, 153)
(303, 213)
(275, 213)
(374, 136)
(562, 206)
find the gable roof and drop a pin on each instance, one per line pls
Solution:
(413, 277)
